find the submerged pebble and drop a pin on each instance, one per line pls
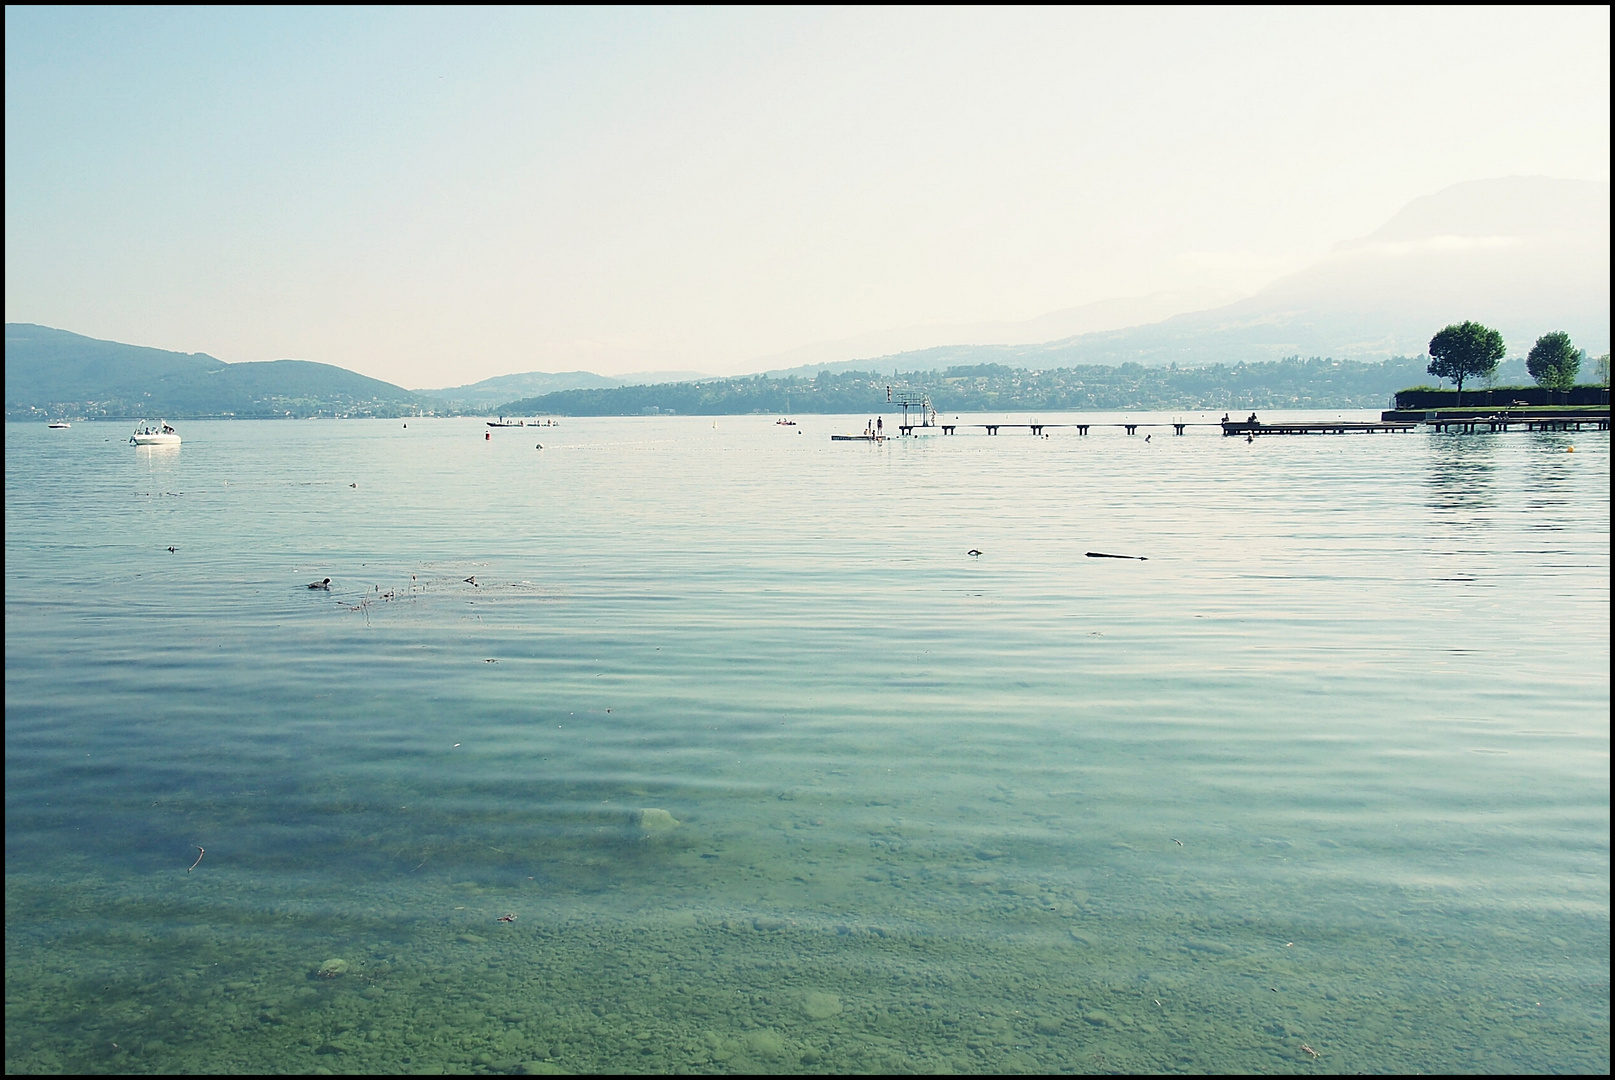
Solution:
(821, 1006)
(652, 819)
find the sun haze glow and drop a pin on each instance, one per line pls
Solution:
(434, 197)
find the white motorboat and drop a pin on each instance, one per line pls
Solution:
(59, 424)
(158, 434)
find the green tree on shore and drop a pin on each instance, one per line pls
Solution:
(1554, 361)
(1465, 350)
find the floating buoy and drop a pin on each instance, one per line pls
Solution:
(487, 435)
(1570, 449)
(540, 446)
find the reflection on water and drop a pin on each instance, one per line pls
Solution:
(693, 748)
(1550, 473)
(1461, 471)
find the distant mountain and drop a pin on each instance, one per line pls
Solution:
(1525, 255)
(489, 393)
(56, 373)
(1100, 315)
(647, 378)
(1292, 383)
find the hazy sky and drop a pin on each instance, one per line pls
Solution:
(433, 197)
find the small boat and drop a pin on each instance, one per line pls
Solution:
(783, 422)
(59, 424)
(159, 434)
(502, 422)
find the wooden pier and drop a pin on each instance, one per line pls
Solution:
(1250, 428)
(1337, 427)
(1390, 422)
(1037, 429)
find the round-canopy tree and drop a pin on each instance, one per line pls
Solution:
(1554, 361)
(1465, 350)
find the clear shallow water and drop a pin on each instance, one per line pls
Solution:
(1330, 767)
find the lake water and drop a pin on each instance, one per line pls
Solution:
(1326, 772)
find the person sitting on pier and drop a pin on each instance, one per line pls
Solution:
(1225, 418)
(1252, 420)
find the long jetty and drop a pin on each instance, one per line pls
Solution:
(1037, 429)
(1250, 428)
(1339, 427)
(1393, 421)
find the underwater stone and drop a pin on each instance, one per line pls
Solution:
(654, 820)
(766, 1043)
(332, 968)
(821, 1006)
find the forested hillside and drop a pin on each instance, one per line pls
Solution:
(1291, 383)
(56, 373)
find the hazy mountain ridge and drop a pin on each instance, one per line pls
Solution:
(1292, 383)
(1523, 254)
(53, 372)
(1101, 315)
(488, 393)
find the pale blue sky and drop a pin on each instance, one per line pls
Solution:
(436, 196)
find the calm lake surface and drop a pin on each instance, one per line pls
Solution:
(1326, 773)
